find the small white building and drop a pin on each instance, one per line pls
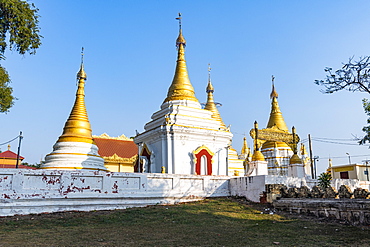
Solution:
(350, 171)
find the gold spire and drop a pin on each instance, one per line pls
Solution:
(276, 117)
(181, 88)
(245, 149)
(77, 128)
(303, 149)
(211, 104)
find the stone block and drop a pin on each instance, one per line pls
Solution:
(304, 192)
(317, 192)
(355, 218)
(330, 192)
(360, 193)
(292, 193)
(367, 218)
(345, 192)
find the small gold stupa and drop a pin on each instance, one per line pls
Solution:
(75, 148)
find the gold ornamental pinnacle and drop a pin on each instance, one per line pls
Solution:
(77, 128)
(181, 88)
(276, 117)
(211, 104)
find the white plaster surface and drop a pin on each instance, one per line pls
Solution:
(253, 187)
(79, 155)
(39, 191)
(351, 183)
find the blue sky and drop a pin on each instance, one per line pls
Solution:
(130, 59)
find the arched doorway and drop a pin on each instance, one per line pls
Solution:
(143, 162)
(203, 161)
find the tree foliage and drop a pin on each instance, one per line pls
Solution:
(353, 76)
(19, 31)
(324, 180)
(6, 97)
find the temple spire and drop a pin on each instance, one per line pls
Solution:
(181, 88)
(276, 117)
(77, 128)
(211, 104)
(245, 150)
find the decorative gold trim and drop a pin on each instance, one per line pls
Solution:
(344, 169)
(117, 159)
(196, 151)
(222, 130)
(106, 136)
(73, 168)
(93, 155)
(145, 147)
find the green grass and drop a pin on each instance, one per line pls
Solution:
(212, 222)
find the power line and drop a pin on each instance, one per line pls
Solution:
(1, 144)
(333, 139)
(342, 157)
(341, 143)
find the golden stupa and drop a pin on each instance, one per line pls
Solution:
(276, 121)
(211, 104)
(75, 148)
(181, 88)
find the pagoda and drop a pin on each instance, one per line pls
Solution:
(276, 145)
(183, 138)
(75, 148)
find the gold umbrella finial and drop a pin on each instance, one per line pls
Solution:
(180, 39)
(210, 88)
(81, 73)
(273, 94)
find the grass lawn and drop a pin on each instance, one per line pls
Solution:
(212, 222)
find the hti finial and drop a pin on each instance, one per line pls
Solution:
(180, 40)
(209, 88)
(179, 19)
(273, 94)
(209, 72)
(81, 73)
(82, 55)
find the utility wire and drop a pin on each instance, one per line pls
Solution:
(1, 144)
(333, 139)
(342, 157)
(341, 143)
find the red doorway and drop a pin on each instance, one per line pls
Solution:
(203, 161)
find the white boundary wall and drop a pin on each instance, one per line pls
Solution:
(252, 188)
(44, 191)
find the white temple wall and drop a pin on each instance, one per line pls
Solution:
(173, 148)
(41, 191)
(253, 187)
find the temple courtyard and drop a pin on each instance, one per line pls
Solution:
(211, 222)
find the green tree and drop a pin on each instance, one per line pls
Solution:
(324, 180)
(354, 76)
(19, 31)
